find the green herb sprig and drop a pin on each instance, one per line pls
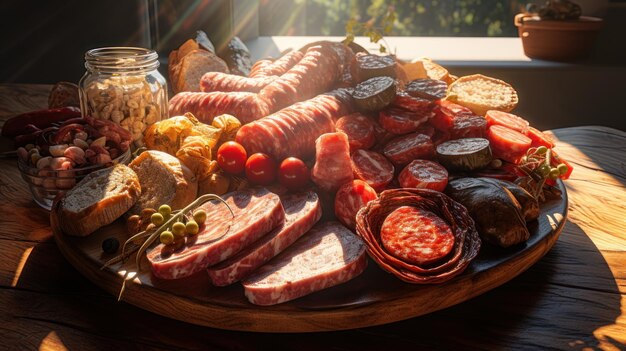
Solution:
(372, 28)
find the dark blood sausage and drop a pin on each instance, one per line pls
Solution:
(446, 112)
(508, 120)
(359, 129)
(437, 214)
(468, 127)
(257, 211)
(424, 174)
(507, 144)
(467, 154)
(292, 131)
(302, 211)
(316, 73)
(267, 68)
(411, 103)
(429, 89)
(416, 236)
(350, 198)
(332, 166)
(218, 81)
(372, 168)
(299, 271)
(400, 121)
(247, 107)
(404, 149)
(367, 66)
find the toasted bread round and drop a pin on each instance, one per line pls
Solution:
(481, 93)
(97, 200)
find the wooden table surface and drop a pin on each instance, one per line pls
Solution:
(572, 299)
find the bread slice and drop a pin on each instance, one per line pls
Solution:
(194, 65)
(164, 180)
(97, 200)
(481, 93)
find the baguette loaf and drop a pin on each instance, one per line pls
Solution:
(97, 200)
(164, 180)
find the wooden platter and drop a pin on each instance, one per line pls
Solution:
(373, 298)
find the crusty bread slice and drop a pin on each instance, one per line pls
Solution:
(481, 93)
(194, 65)
(164, 180)
(97, 200)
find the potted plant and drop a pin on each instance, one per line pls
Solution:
(556, 31)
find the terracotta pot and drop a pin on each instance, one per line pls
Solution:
(555, 40)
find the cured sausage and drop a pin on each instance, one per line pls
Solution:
(446, 112)
(407, 148)
(316, 73)
(267, 68)
(245, 106)
(372, 168)
(466, 126)
(509, 120)
(437, 268)
(332, 161)
(539, 138)
(350, 198)
(292, 131)
(424, 174)
(507, 144)
(399, 121)
(218, 81)
(411, 103)
(359, 129)
(429, 89)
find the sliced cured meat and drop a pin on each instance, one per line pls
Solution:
(446, 112)
(430, 89)
(292, 131)
(218, 81)
(467, 154)
(382, 136)
(424, 174)
(299, 271)
(539, 138)
(374, 94)
(440, 137)
(332, 161)
(369, 65)
(316, 73)
(416, 236)
(245, 106)
(399, 121)
(426, 129)
(302, 211)
(411, 103)
(359, 129)
(350, 198)
(371, 218)
(257, 211)
(507, 144)
(468, 127)
(267, 68)
(404, 149)
(509, 120)
(372, 168)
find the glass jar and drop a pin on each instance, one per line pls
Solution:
(122, 84)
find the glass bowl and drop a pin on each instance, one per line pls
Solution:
(45, 185)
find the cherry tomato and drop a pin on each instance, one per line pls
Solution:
(293, 173)
(260, 169)
(231, 157)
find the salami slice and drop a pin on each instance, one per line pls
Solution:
(424, 174)
(539, 138)
(416, 236)
(446, 112)
(468, 127)
(399, 121)
(507, 144)
(411, 103)
(350, 198)
(430, 89)
(509, 120)
(359, 129)
(372, 168)
(407, 148)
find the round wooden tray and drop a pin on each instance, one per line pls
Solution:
(373, 298)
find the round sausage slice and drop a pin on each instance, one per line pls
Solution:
(359, 129)
(424, 174)
(468, 127)
(372, 168)
(411, 103)
(507, 144)
(446, 112)
(416, 236)
(407, 148)
(350, 198)
(430, 89)
(399, 121)
(509, 120)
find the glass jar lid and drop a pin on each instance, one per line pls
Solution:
(121, 60)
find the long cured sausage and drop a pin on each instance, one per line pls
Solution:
(246, 107)
(292, 131)
(267, 68)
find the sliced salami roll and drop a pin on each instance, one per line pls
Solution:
(399, 121)
(507, 144)
(350, 198)
(424, 174)
(407, 148)
(359, 129)
(372, 168)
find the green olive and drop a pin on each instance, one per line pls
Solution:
(199, 216)
(544, 170)
(166, 237)
(157, 219)
(562, 168)
(179, 229)
(192, 228)
(554, 173)
(541, 150)
(165, 210)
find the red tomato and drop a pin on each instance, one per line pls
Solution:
(260, 169)
(293, 173)
(231, 157)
